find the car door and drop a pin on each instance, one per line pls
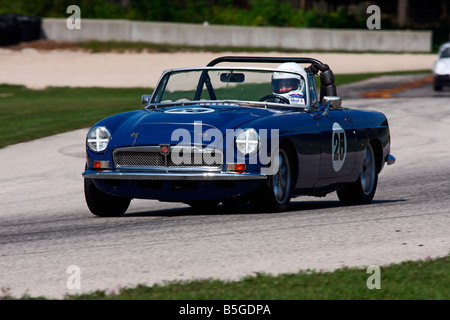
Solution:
(338, 141)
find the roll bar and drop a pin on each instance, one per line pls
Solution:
(327, 86)
(262, 60)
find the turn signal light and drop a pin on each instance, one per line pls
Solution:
(236, 167)
(101, 164)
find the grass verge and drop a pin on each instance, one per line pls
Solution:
(119, 46)
(29, 114)
(126, 46)
(427, 279)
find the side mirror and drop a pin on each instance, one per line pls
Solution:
(331, 101)
(145, 99)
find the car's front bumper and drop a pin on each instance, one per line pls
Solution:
(130, 175)
(442, 79)
(179, 186)
(390, 159)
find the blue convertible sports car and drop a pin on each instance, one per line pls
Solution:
(230, 134)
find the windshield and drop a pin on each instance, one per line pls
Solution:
(445, 52)
(229, 84)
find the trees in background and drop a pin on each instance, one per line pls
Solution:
(398, 14)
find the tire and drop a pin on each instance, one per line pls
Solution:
(363, 190)
(102, 204)
(274, 195)
(437, 87)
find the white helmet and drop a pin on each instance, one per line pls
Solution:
(288, 85)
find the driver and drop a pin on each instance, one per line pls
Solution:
(288, 85)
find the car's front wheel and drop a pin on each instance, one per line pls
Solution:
(363, 190)
(103, 204)
(275, 194)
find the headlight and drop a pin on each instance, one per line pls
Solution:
(440, 68)
(98, 139)
(247, 141)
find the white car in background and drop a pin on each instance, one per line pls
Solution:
(441, 68)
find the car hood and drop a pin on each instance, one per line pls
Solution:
(186, 124)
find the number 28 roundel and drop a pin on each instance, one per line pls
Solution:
(339, 147)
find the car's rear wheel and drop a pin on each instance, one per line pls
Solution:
(103, 204)
(274, 195)
(363, 190)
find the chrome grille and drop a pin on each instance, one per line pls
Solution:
(178, 157)
(139, 159)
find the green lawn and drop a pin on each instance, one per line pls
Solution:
(409, 280)
(29, 114)
(427, 279)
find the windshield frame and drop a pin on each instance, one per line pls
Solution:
(163, 81)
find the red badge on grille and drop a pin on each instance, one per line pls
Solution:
(164, 149)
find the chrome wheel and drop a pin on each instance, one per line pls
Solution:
(274, 195)
(281, 181)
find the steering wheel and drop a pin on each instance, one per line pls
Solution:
(275, 97)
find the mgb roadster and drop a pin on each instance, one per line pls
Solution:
(253, 130)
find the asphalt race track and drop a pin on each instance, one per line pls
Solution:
(46, 228)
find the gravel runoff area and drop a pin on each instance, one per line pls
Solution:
(38, 69)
